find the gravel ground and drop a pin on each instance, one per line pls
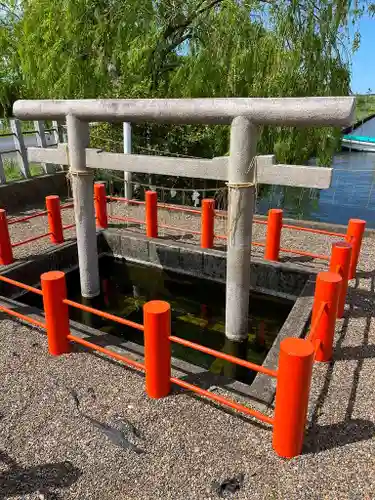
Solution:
(52, 449)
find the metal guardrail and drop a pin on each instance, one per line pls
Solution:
(295, 362)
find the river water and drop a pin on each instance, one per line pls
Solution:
(351, 195)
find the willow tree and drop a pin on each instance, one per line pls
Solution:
(182, 48)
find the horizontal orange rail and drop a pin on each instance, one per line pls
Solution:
(70, 226)
(165, 206)
(22, 316)
(119, 198)
(263, 222)
(222, 355)
(175, 228)
(307, 254)
(316, 231)
(29, 240)
(102, 314)
(254, 243)
(68, 205)
(178, 208)
(127, 219)
(223, 401)
(28, 217)
(108, 352)
(219, 399)
(21, 285)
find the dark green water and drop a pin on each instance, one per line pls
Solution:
(197, 305)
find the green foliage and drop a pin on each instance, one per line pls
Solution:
(181, 48)
(13, 172)
(365, 106)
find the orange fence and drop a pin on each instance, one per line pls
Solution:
(55, 226)
(296, 355)
(274, 223)
(272, 245)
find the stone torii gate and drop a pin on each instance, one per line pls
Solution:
(239, 169)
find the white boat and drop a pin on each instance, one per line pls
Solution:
(359, 143)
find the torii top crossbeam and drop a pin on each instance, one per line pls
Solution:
(292, 111)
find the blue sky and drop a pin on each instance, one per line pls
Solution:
(363, 63)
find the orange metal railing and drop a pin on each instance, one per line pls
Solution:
(55, 226)
(107, 352)
(272, 247)
(296, 355)
(274, 224)
(224, 401)
(226, 357)
(103, 314)
(295, 361)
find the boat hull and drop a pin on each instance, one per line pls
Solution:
(368, 147)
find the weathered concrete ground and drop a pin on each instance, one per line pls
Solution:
(51, 449)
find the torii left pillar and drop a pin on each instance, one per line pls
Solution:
(241, 197)
(82, 179)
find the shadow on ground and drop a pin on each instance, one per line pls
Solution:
(19, 481)
(324, 437)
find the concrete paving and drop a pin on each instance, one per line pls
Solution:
(81, 427)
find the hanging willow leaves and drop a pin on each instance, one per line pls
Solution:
(182, 48)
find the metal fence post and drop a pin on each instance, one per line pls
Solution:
(58, 134)
(82, 179)
(354, 235)
(274, 227)
(100, 205)
(6, 253)
(241, 195)
(128, 188)
(152, 214)
(296, 360)
(41, 141)
(340, 263)
(19, 145)
(56, 312)
(54, 219)
(157, 330)
(327, 291)
(3, 178)
(207, 223)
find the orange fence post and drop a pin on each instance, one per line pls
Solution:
(6, 253)
(54, 219)
(296, 359)
(327, 291)
(157, 330)
(354, 235)
(340, 263)
(100, 205)
(152, 214)
(56, 312)
(207, 223)
(274, 226)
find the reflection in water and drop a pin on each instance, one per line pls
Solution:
(198, 309)
(239, 350)
(197, 313)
